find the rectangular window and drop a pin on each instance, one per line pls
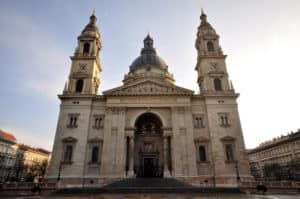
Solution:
(73, 121)
(95, 154)
(229, 152)
(98, 121)
(68, 153)
(224, 120)
(198, 121)
(94, 151)
(148, 147)
(202, 153)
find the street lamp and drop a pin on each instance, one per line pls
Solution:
(59, 171)
(237, 172)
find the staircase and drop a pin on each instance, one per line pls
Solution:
(148, 185)
(144, 184)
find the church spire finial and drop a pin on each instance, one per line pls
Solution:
(148, 45)
(93, 17)
(203, 16)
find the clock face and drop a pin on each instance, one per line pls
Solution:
(82, 66)
(214, 66)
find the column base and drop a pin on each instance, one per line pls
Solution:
(130, 173)
(167, 174)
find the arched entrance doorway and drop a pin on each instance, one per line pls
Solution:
(148, 142)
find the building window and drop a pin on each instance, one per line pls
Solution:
(79, 86)
(210, 46)
(73, 119)
(99, 121)
(218, 84)
(202, 154)
(229, 152)
(224, 121)
(95, 149)
(198, 122)
(68, 154)
(86, 48)
(68, 148)
(95, 154)
(148, 147)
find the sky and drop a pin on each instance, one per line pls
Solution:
(260, 37)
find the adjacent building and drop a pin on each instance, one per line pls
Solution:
(8, 154)
(148, 126)
(281, 156)
(20, 162)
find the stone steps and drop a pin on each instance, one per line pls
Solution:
(148, 185)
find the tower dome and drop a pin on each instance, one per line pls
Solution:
(91, 29)
(205, 27)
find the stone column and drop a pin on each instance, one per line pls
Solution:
(131, 156)
(166, 158)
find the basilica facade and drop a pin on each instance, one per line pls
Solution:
(149, 127)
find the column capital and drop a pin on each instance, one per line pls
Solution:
(129, 128)
(166, 135)
(129, 131)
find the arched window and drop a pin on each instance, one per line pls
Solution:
(202, 154)
(218, 84)
(86, 48)
(210, 46)
(79, 85)
(95, 153)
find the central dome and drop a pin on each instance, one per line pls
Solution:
(148, 56)
(148, 66)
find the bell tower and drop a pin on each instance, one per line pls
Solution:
(85, 67)
(211, 66)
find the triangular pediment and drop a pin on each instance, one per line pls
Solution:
(227, 138)
(69, 139)
(148, 87)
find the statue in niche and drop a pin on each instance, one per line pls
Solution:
(143, 129)
(152, 128)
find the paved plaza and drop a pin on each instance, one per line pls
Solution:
(165, 196)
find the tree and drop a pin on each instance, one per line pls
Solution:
(273, 171)
(294, 169)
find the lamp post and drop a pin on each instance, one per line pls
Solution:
(59, 171)
(237, 172)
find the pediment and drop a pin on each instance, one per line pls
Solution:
(227, 138)
(95, 140)
(69, 139)
(148, 87)
(80, 75)
(201, 139)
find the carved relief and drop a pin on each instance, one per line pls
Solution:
(149, 88)
(115, 110)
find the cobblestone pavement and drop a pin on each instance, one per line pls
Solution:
(163, 196)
